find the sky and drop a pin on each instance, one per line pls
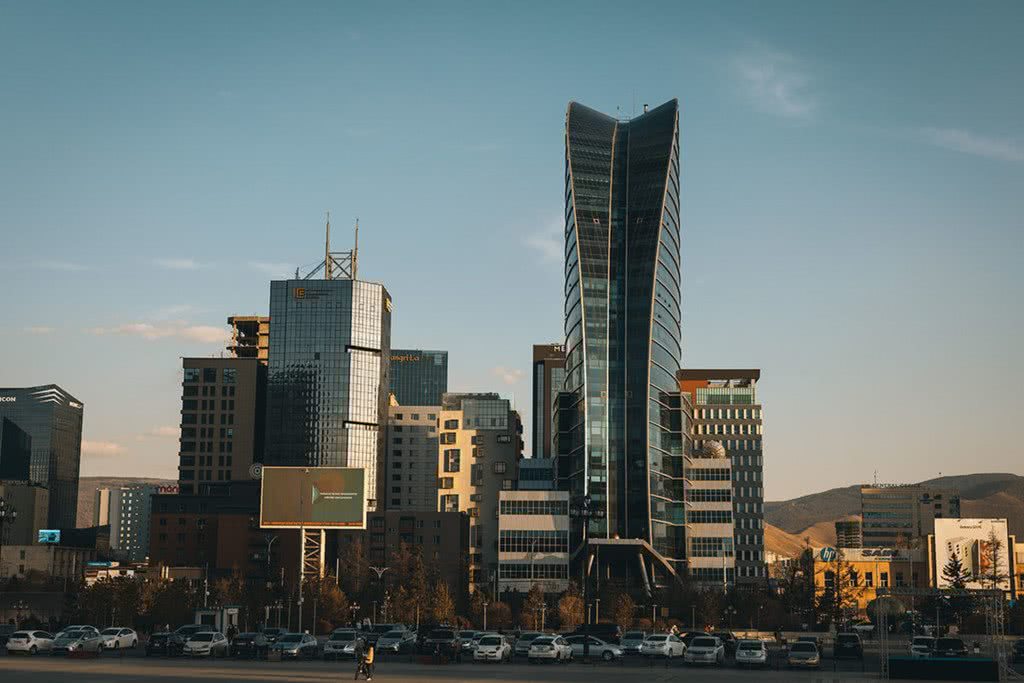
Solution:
(852, 180)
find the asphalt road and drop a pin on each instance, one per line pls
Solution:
(117, 669)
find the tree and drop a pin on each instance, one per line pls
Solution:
(955, 573)
(570, 609)
(839, 592)
(530, 612)
(442, 605)
(354, 570)
(499, 615)
(992, 572)
(624, 610)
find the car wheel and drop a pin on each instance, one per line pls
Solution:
(135, 644)
(32, 650)
(607, 656)
(117, 644)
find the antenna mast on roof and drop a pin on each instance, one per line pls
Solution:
(336, 264)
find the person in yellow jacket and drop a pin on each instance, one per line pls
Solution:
(366, 663)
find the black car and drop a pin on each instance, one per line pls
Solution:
(5, 632)
(445, 642)
(848, 645)
(949, 647)
(165, 644)
(272, 633)
(609, 633)
(728, 639)
(1018, 651)
(249, 645)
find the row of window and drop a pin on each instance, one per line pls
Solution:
(709, 517)
(209, 375)
(206, 391)
(534, 507)
(414, 416)
(709, 495)
(728, 413)
(204, 419)
(710, 546)
(516, 570)
(531, 540)
(729, 429)
(709, 474)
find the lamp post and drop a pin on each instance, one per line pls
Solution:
(728, 613)
(380, 571)
(584, 512)
(485, 613)
(354, 609)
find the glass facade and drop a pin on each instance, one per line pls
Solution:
(327, 383)
(418, 377)
(623, 442)
(52, 419)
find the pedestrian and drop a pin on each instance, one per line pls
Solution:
(365, 665)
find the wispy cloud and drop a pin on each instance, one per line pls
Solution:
(40, 329)
(548, 242)
(179, 264)
(101, 448)
(61, 265)
(507, 375)
(959, 140)
(172, 312)
(273, 269)
(164, 432)
(178, 329)
(776, 83)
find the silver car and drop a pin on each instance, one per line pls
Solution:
(396, 642)
(596, 648)
(77, 639)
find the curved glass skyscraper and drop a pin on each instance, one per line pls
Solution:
(621, 441)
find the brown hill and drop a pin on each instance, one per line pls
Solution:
(87, 492)
(790, 545)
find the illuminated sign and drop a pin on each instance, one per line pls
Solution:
(74, 405)
(313, 497)
(8, 399)
(49, 536)
(169, 489)
(405, 359)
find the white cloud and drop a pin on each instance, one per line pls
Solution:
(172, 312)
(179, 263)
(775, 83)
(507, 375)
(101, 448)
(40, 329)
(273, 269)
(958, 140)
(60, 265)
(549, 242)
(164, 432)
(206, 334)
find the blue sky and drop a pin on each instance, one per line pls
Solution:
(852, 195)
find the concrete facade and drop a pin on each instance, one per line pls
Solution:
(904, 515)
(533, 541)
(410, 464)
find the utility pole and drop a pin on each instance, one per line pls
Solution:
(543, 612)
(485, 615)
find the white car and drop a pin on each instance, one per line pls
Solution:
(492, 648)
(922, 647)
(597, 648)
(632, 641)
(117, 637)
(341, 645)
(30, 642)
(206, 644)
(751, 653)
(76, 639)
(705, 650)
(549, 649)
(396, 642)
(663, 645)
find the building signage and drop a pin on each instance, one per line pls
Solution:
(828, 554)
(8, 399)
(405, 359)
(74, 405)
(167, 489)
(299, 292)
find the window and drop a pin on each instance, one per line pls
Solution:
(500, 467)
(451, 424)
(446, 483)
(528, 541)
(449, 503)
(191, 374)
(209, 375)
(507, 484)
(447, 437)
(230, 375)
(534, 507)
(451, 460)
(884, 580)
(504, 438)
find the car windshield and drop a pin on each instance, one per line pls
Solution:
(633, 635)
(490, 640)
(949, 644)
(382, 628)
(527, 637)
(290, 638)
(704, 642)
(343, 636)
(110, 631)
(543, 640)
(467, 634)
(393, 634)
(924, 641)
(847, 638)
(73, 634)
(202, 637)
(804, 647)
(656, 639)
(750, 645)
(20, 634)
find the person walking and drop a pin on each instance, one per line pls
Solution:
(366, 663)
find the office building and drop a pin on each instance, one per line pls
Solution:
(533, 541)
(536, 474)
(32, 502)
(52, 419)
(620, 441)
(548, 378)
(222, 422)
(902, 516)
(870, 569)
(726, 411)
(710, 527)
(419, 377)
(479, 448)
(53, 561)
(411, 462)
(127, 511)
(250, 337)
(15, 452)
(848, 534)
(328, 381)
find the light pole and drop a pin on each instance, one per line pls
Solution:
(597, 610)
(654, 615)
(485, 613)
(728, 613)
(354, 609)
(379, 571)
(584, 512)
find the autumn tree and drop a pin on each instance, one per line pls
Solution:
(992, 572)
(442, 606)
(570, 609)
(529, 613)
(624, 610)
(840, 590)
(499, 615)
(354, 570)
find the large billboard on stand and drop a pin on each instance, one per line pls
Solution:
(313, 498)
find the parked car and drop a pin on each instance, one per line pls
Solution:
(949, 647)
(1018, 651)
(296, 646)
(397, 642)
(117, 637)
(609, 633)
(468, 639)
(272, 633)
(597, 647)
(848, 645)
(341, 645)
(865, 628)
(5, 632)
(921, 647)
(728, 640)
(751, 653)
(522, 646)
(549, 649)
(809, 639)
(76, 639)
(251, 644)
(631, 642)
(377, 630)
(189, 630)
(165, 644)
(443, 641)
(206, 644)
(803, 654)
(705, 650)
(29, 642)
(687, 638)
(663, 645)
(492, 648)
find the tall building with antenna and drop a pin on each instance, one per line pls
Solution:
(328, 372)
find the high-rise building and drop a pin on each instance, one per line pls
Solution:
(902, 516)
(726, 411)
(328, 380)
(250, 336)
(620, 438)
(411, 469)
(222, 422)
(848, 534)
(32, 502)
(419, 377)
(15, 452)
(548, 378)
(52, 418)
(479, 448)
(536, 474)
(127, 510)
(711, 557)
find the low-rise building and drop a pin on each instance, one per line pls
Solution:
(709, 515)
(902, 516)
(53, 561)
(533, 541)
(868, 570)
(32, 502)
(537, 474)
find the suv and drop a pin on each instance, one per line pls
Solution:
(949, 647)
(443, 641)
(272, 633)
(249, 645)
(165, 644)
(848, 645)
(5, 632)
(728, 639)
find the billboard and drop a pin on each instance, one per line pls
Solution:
(971, 541)
(49, 536)
(313, 498)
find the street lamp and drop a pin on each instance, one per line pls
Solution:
(379, 571)
(584, 512)
(354, 609)
(485, 603)
(728, 613)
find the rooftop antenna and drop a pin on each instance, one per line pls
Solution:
(355, 252)
(876, 478)
(336, 264)
(327, 250)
